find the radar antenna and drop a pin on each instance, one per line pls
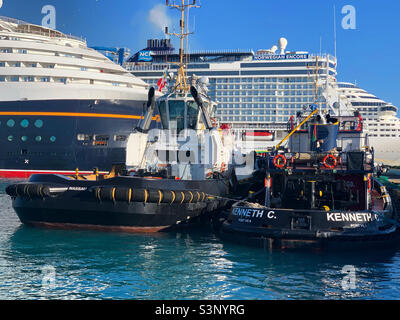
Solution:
(181, 81)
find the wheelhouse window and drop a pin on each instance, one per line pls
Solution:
(163, 114)
(177, 114)
(192, 114)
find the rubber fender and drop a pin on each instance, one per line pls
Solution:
(140, 195)
(107, 194)
(21, 189)
(197, 196)
(169, 196)
(97, 193)
(180, 197)
(45, 191)
(11, 190)
(123, 194)
(155, 196)
(189, 196)
(34, 190)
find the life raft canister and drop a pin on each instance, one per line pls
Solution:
(330, 161)
(279, 163)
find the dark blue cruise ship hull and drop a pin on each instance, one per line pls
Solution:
(62, 135)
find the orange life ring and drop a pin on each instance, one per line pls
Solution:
(333, 158)
(277, 164)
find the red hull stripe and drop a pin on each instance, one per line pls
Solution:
(25, 174)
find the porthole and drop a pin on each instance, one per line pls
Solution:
(24, 138)
(38, 138)
(38, 123)
(24, 123)
(11, 123)
(52, 138)
(10, 138)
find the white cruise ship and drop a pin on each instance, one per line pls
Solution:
(63, 105)
(259, 91)
(380, 118)
(256, 92)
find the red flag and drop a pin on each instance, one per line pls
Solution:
(162, 81)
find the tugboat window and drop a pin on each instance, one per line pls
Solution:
(163, 114)
(192, 114)
(177, 115)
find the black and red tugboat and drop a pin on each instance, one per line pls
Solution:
(320, 191)
(171, 177)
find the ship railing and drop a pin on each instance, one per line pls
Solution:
(158, 67)
(348, 124)
(324, 56)
(48, 33)
(354, 161)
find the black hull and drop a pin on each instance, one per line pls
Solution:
(282, 240)
(85, 206)
(298, 229)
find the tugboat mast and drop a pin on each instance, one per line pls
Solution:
(181, 82)
(316, 81)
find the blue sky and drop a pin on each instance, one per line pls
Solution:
(368, 54)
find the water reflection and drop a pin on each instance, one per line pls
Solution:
(190, 265)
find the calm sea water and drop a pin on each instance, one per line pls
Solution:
(54, 264)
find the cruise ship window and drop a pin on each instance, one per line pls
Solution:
(24, 138)
(2, 79)
(11, 123)
(38, 139)
(38, 123)
(10, 138)
(24, 123)
(52, 138)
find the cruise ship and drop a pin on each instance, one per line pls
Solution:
(64, 106)
(256, 92)
(259, 91)
(381, 121)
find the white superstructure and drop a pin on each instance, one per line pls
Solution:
(381, 121)
(39, 63)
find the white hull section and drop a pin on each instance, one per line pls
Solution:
(59, 91)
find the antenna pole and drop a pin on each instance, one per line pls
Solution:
(181, 82)
(334, 28)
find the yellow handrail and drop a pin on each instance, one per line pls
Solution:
(295, 129)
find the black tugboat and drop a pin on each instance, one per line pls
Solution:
(172, 176)
(320, 192)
